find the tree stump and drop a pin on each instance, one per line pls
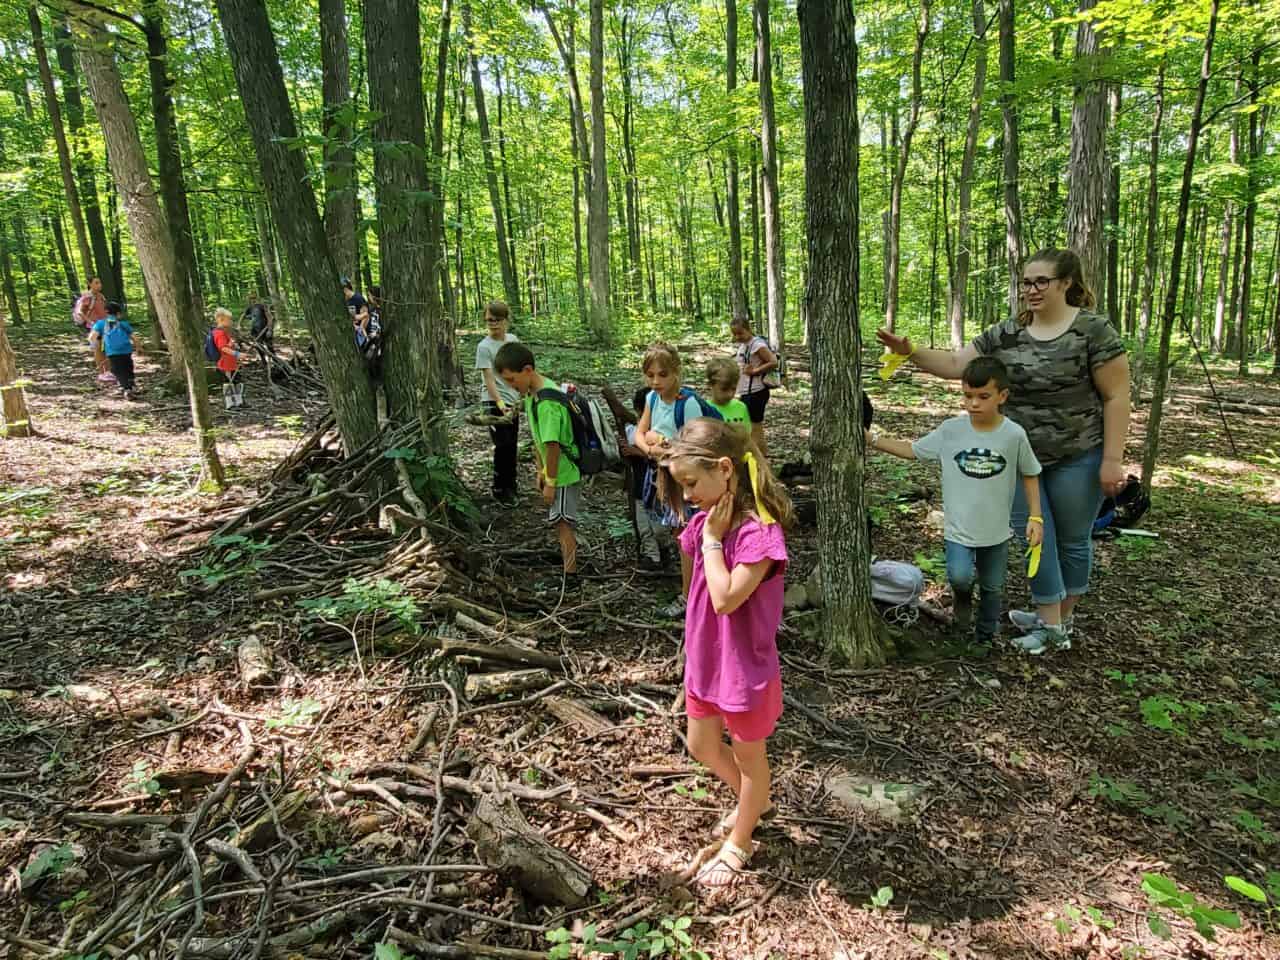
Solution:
(505, 841)
(481, 686)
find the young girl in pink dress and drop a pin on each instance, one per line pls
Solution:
(731, 676)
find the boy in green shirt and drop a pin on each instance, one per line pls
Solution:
(722, 384)
(546, 410)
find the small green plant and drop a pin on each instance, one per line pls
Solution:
(140, 780)
(694, 789)
(1073, 915)
(50, 863)
(881, 898)
(242, 558)
(1122, 793)
(389, 951)
(1162, 712)
(531, 776)
(435, 480)
(332, 857)
(69, 905)
(1269, 898)
(1119, 676)
(296, 713)
(1164, 894)
(935, 566)
(364, 598)
(1254, 826)
(669, 938)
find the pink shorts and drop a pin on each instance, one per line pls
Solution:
(745, 726)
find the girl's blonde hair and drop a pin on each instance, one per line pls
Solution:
(221, 312)
(705, 442)
(1066, 266)
(722, 372)
(661, 353)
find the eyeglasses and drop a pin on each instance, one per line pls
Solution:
(1036, 283)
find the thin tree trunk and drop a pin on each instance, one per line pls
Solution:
(960, 272)
(60, 142)
(13, 400)
(829, 60)
(598, 186)
(270, 264)
(757, 308)
(1250, 217)
(506, 176)
(1224, 273)
(738, 306)
(6, 277)
(1202, 261)
(893, 255)
(1135, 272)
(446, 329)
(775, 282)
(631, 183)
(1012, 204)
(64, 256)
(151, 234)
(339, 157)
(260, 82)
(1087, 171)
(1233, 304)
(1151, 256)
(1113, 220)
(579, 279)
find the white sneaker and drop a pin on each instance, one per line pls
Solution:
(1045, 639)
(1028, 620)
(675, 609)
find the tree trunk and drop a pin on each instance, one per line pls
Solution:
(510, 286)
(631, 182)
(579, 279)
(960, 272)
(270, 264)
(738, 306)
(775, 282)
(1151, 255)
(60, 142)
(598, 187)
(1156, 410)
(1250, 218)
(447, 342)
(829, 59)
(260, 82)
(339, 157)
(6, 277)
(406, 236)
(893, 258)
(88, 185)
(151, 234)
(1012, 203)
(1202, 261)
(757, 308)
(1113, 221)
(1087, 172)
(13, 400)
(64, 256)
(506, 178)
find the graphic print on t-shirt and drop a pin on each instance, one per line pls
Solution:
(980, 464)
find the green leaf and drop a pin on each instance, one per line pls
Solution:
(51, 862)
(387, 951)
(1246, 889)
(1160, 887)
(1159, 927)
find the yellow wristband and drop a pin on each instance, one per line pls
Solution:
(1039, 520)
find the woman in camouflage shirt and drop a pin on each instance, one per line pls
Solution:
(1069, 390)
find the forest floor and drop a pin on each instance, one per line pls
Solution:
(1027, 797)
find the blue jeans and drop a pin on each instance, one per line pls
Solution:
(1070, 495)
(990, 564)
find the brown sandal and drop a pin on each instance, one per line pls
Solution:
(726, 869)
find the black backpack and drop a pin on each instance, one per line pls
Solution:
(591, 456)
(1123, 510)
(211, 351)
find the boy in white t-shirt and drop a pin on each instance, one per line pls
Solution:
(983, 455)
(499, 400)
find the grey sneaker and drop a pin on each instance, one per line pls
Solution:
(674, 610)
(1028, 620)
(1044, 639)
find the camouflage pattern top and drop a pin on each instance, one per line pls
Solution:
(1051, 390)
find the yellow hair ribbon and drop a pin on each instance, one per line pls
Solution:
(892, 361)
(1033, 562)
(753, 468)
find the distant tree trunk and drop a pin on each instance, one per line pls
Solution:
(1197, 303)
(757, 306)
(598, 187)
(1059, 32)
(406, 238)
(64, 256)
(6, 276)
(151, 234)
(738, 306)
(510, 286)
(828, 54)
(893, 256)
(13, 401)
(1012, 204)
(339, 157)
(105, 266)
(579, 280)
(260, 82)
(1233, 303)
(631, 181)
(270, 264)
(1087, 172)
(1154, 417)
(960, 272)
(1135, 271)
(775, 282)
(1113, 221)
(60, 142)
(1151, 255)
(506, 176)
(447, 342)
(1250, 217)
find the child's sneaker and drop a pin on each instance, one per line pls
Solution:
(674, 610)
(1028, 620)
(1044, 639)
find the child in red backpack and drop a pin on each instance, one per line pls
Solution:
(228, 358)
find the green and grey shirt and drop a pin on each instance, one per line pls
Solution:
(1051, 390)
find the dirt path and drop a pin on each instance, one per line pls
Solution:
(1032, 791)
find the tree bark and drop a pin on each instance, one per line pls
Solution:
(1113, 220)
(64, 256)
(1087, 172)
(339, 157)
(406, 237)
(1151, 255)
(260, 82)
(510, 286)
(60, 142)
(270, 263)
(1008, 110)
(1156, 410)
(893, 258)
(6, 277)
(447, 343)
(13, 400)
(960, 273)
(150, 230)
(598, 187)
(775, 282)
(738, 305)
(1250, 218)
(829, 59)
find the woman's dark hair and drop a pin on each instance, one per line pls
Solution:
(1066, 266)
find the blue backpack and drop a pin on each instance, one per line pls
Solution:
(115, 337)
(684, 395)
(211, 351)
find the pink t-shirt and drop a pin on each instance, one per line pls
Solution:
(730, 660)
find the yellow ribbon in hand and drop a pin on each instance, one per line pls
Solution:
(892, 361)
(1033, 561)
(753, 468)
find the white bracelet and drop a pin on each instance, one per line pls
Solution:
(712, 545)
